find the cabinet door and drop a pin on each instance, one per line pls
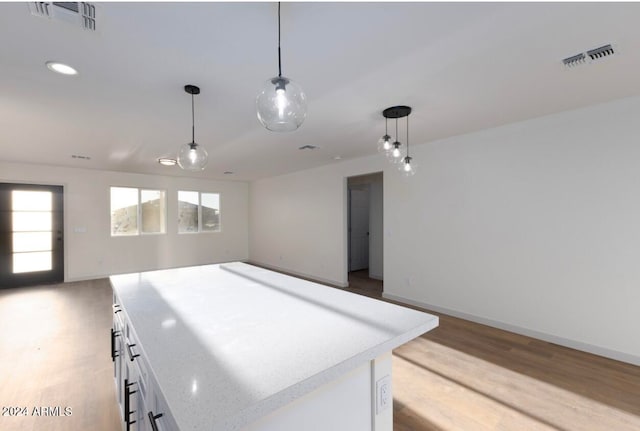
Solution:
(159, 408)
(117, 363)
(132, 405)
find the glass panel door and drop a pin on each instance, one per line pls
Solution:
(31, 236)
(32, 242)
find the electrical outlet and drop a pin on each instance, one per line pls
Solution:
(384, 396)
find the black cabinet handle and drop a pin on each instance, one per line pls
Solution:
(114, 353)
(117, 311)
(152, 419)
(127, 404)
(132, 356)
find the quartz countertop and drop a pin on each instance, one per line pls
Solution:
(230, 343)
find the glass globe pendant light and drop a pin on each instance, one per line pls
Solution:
(394, 154)
(191, 156)
(385, 143)
(407, 168)
(281, 104)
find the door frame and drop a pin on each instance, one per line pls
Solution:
(346, 246)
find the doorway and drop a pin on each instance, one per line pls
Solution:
(365, 231)
(31, 235)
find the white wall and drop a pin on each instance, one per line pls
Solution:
(95, 253)
(298, 222)
(534, 226)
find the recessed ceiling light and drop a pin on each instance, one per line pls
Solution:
(61, 68)
(165, 161)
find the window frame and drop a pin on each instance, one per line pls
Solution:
(139, 231)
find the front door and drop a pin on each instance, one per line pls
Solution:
(31, 235)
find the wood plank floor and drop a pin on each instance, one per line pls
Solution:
(467, 376)
(54, 351)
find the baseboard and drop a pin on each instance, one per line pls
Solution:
(376, 277)
(573, 344)
(298, 274)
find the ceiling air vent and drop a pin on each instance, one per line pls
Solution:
(574, 60)
(82, 14)
(594, 54)
(603, 51)
(307, 147)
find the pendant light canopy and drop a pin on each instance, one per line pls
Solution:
(191, 156)
(281, 104)
(394, 152)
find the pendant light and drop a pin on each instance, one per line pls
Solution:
(394, 154)
(385, 143)
(191, 156)
(281, 104)
(407, 167)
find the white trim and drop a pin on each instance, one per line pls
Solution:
(566, 342)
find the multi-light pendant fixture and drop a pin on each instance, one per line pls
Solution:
(191, 156)
(281, 104)
(393, 148)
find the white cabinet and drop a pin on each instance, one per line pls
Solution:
(142, 407)
(116, 352)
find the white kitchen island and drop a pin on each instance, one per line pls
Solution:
(237, 347)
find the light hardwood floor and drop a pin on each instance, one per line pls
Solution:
(466, 376)
(54, 351)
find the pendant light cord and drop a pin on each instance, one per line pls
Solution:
(396, 129)
(386, 126)
(407, 135)
(279, 54)
(193, 122)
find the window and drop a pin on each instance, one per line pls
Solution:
(137, 211)
(210, 204)
(198, 212)
(32, 231)
(153, 211)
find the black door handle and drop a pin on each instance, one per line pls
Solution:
(152, 419)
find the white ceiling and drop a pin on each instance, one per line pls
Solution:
(461, 66)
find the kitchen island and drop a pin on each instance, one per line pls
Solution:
(238, 347)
